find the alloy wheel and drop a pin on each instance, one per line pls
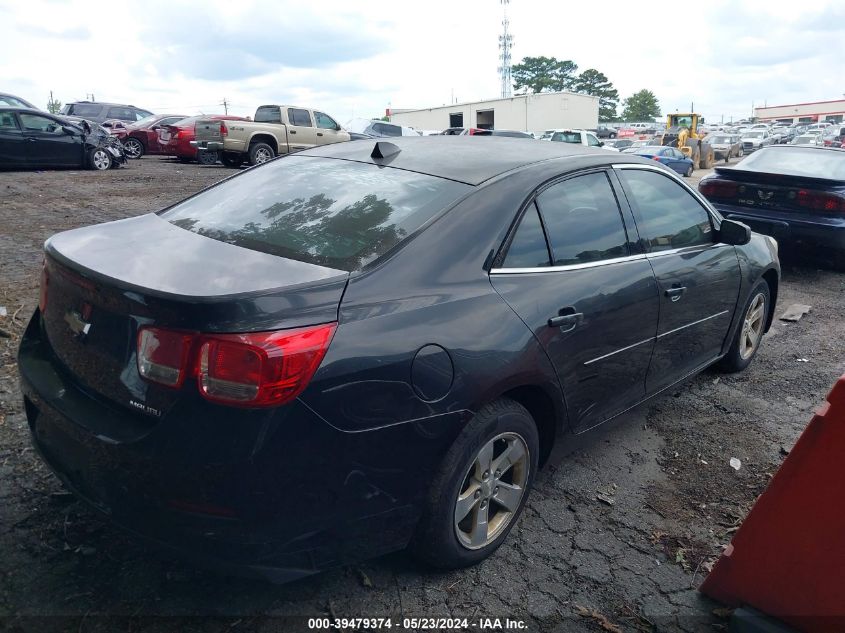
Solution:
(752, 326)
(133, 148)
(492, 490)
(262, 156)
(101, 159)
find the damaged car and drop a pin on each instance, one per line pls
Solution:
(31, 138)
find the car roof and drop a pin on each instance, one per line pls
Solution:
(104, 103)
(30, 111)
(462, 158)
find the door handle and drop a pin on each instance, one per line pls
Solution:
(293, 131)
(319, 133)
(31, 139)
(675, 293)
(567, 319)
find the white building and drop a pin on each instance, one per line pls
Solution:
(528, 113)
(811, 112)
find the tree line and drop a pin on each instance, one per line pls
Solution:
(548, 74)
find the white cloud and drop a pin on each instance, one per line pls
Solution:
(357, 58)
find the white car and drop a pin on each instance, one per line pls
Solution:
(578, 137)
(373, 128)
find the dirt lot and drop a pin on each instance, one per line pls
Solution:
(573, 563)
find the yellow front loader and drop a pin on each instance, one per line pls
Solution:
(682, 132)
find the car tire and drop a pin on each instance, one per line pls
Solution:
(260, 153)
(183, 159)
(751, 328)
(689, 171)
(232, 159)
(133, 148)
(205, 157)
(443, 540)
(99, 159)
(612, 135)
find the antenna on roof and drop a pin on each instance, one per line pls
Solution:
(383, 149)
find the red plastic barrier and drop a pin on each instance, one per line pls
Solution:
(788, 557)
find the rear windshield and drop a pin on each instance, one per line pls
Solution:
(814, 162)
(334, 213)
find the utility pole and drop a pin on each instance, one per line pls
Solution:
(225, 105)
(505, 45)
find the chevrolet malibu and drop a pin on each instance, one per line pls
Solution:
(375, 345)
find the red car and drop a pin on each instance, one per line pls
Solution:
(142, 137)
(175, 139)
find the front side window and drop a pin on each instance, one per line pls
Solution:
(299, 117)
(528, 249)
(583, 220)
(667, 215)
(35, 123)
(124, 114)
(324, 121)
(336, 213)
(592, 140)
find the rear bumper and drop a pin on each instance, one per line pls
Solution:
(208, 146)
(821, 231)
(279, 494)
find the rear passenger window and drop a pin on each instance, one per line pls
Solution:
(124, 114)
(667, 215)
(528, 248)
(298, 117)
(84, 109)
(583, 221)
(387, 130)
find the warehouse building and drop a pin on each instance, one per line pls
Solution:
(812, 112)
(528, 113)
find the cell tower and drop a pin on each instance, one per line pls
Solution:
(505, 45)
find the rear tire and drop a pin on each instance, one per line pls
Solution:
(99, 159)
(205, 157)
(749, 334)
(260, 153)
(468, 483)
(689, 171)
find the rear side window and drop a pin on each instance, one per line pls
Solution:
(387, 130)
(268, 114)
(299, 117)
(84, 109)
(334, 213)
(583, 220)
(8, 121)
(528, 248)
(667, 215)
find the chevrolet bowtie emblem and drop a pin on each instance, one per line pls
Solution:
(765, 195)
(76, 324)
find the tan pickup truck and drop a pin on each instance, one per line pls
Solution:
(275, 130)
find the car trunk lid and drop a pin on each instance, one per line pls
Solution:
(104, 283)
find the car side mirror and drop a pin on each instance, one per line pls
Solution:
(734, 233)
(601, 144)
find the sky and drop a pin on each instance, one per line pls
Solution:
(355, 59)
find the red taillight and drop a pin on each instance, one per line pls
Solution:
(259, 369)
(715, 188)
(42, 294)
(163, 355)
(818, 201)
(224, 131)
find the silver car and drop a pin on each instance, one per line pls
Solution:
(726, 146)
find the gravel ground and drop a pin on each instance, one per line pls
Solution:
(573, 562)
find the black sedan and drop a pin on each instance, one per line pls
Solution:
(791, 192)
(31, 138)
(373, 345)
